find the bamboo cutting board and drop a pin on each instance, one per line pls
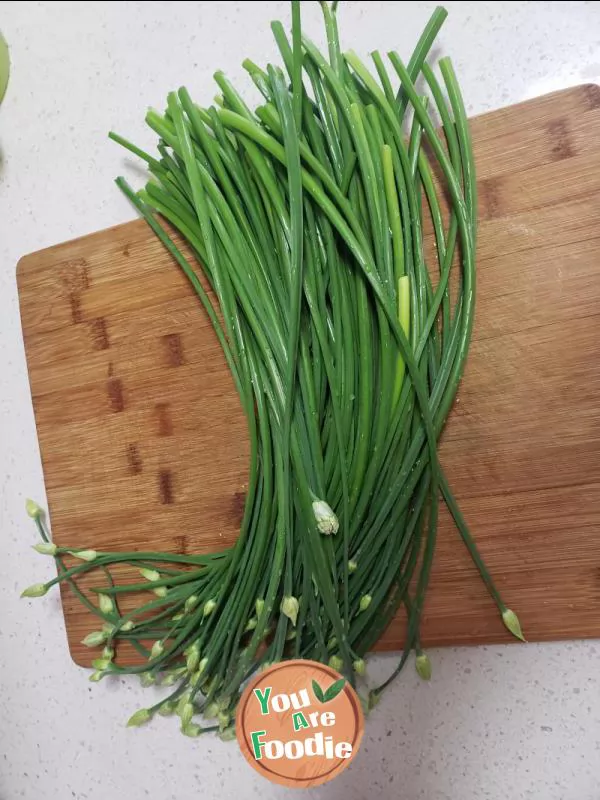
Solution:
(143, 441)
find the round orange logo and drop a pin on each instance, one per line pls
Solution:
(299, 723)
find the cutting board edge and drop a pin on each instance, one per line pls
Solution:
(28, 260)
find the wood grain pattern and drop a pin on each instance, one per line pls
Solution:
(144, 445)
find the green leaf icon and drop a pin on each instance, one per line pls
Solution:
(331, 693)
(334, 690)
(318, 692)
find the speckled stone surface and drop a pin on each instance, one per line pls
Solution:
(496, 722)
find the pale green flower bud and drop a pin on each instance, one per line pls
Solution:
(227, 735)
(374, 698)
(32, 509)
(423, 666)
(290, 635)
(157, 650)
(46, 548)
(191, 730)
(129, 625)
(223, 719)
(147, 679)
(259, 605)
(289, 607)
(511, 621)
(108, 629)
(140, 717)
(359, 666)
(331, 643)
(170, 679)
(211, 711)
(183, 700)
(108, 653)
(101, 663)
(94, 639)
(167, 708)
(35, 590)
(96, 676)
(202, 665)
(251, 624)
(327, 522)
(187, 712)
(106, 604)
(160, 591)
(193, 657)
(150, 575)
(352, 566)
(191, 603)
(209, 607)
(336, 663)
(84, 555)
(177, 617)
(365, 602)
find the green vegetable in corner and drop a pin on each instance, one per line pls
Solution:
(4, 67)
(305, 217)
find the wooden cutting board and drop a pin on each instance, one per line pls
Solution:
(143, 441)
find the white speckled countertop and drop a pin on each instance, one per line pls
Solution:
(517, 722)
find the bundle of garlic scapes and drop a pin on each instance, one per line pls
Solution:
(306, 217)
